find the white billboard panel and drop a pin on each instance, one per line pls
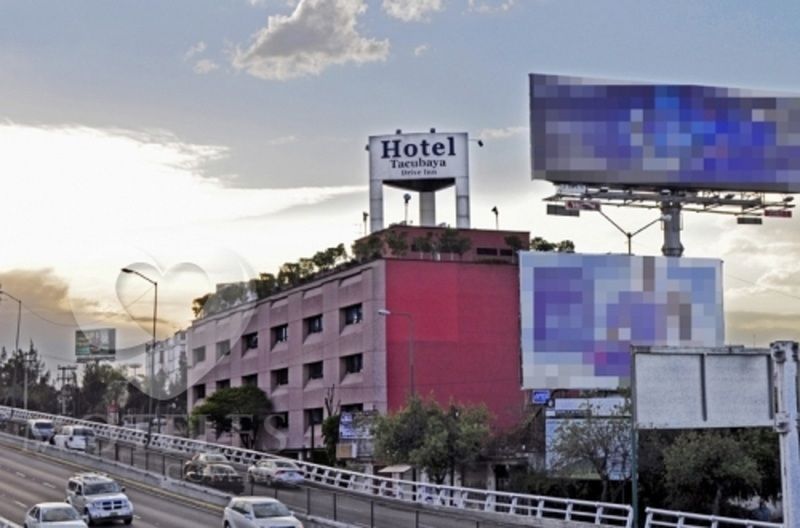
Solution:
(697, 389)
(400, 157)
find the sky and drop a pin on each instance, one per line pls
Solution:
(214, 139)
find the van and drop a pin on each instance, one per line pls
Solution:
(39, 429)
(76, 437)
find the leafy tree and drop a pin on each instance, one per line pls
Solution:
(265, 285)
(704, 470)
(432, 438)
(423, 244)
(97, 377)
(289, 275)
(451, 241)
(566, 246)
(246, 401)
(368, 248)
(514, 242)
(598, 443)
(540, 244)
(397, 242)
(199, 303)
(330, 435)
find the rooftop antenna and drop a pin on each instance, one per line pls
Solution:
(496, 217)
(365, 217)
(406, 199)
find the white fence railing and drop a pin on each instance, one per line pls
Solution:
(672, 519)
(5, 523)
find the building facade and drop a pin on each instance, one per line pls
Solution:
(457, 315)
(167, 358)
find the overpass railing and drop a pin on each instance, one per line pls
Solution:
(674, 519)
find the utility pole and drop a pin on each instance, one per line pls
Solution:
(66, 374)
(16, 345)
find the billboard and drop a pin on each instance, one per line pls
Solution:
(580, 314)
(408, 157)
(655, 136)
(94, 345)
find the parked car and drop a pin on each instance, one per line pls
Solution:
(219, 476)
(39, 429)
(201, 460)
(98, 497)
(75, 437)
(258, 512)
(274, 471)
(53, 514)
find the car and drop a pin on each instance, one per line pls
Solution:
(75, 437)
(201, 460)
(53, 514)
(258, 512)
(219, 476)
(276, 471)
(99, 498)
(40, 429)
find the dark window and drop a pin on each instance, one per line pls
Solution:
(353, 364)
(223, 348)
(161, 357)
(313, 416)
(313, 324)
(250, 341)
(506, 253)
(352, 314)
(486, 251)
(280, 334)
(198, 355)
(223, 384)
(314, 370)
(352, 407)
(199, 392)
(280, 377)
(251, 380)
(280, 420)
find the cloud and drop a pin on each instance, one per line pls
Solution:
(760, 329)
(420, 50)
(205, 66)
(194, 49)
(283, 140)
(412, 10)
(491, 6)
(317, 35)
(502, 133)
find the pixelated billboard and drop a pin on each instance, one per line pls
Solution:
(94, 345)
(655, 136)
(581, 313)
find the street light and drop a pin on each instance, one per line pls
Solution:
(386, 313)
(628, 234)
(16, 349)
(152, 348)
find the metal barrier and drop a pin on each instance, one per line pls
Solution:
(5, 523)
(672, 519)
(514, 504)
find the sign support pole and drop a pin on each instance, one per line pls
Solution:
(785, 354)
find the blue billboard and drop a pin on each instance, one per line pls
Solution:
(655, 136)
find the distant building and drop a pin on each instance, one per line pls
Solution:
(167, 357)
(326, 335)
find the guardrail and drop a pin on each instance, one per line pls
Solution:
(5, 523)
(487, 501)
(672, 519)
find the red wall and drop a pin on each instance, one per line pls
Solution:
(467, 342)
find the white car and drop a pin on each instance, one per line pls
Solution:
(273, 471)
(39, 429)
(53, 514)
(258, 512)
(75, 437)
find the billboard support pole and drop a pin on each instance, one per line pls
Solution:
(671, 213)
(785, 354)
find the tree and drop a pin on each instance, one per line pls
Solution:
(330, 435)
(97, 378)
(705, 469)
(368, 248)
(247, 401)
(540, 244)
(199, 303)
(423, 244)
(451, 241)
(432, 438)
(600, 444)
(396, 240)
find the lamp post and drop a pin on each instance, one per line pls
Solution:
(152, 348)
(16, 349)
(386, 313)
(628, 234)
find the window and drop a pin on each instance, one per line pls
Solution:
(280, 334)
(352, 314)
(199, 392)
(314, 370)
(313, 416)
(223, 384)
(223, 348)
(250, 341)
(486, 251)
(506, 253)
(281, 420)
(250, 381)
(351, 408)
(313, 324)
(198, 355)
(280, 377)
(353, 364)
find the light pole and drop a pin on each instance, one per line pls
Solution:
(16, 349)
(152, 348)
(386, 313)
(662, 218)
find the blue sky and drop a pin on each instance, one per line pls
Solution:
(162, 128)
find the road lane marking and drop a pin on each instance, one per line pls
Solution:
(48, 485)
(20, 504)
(21, 474)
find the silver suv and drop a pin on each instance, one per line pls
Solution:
(98, 497)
